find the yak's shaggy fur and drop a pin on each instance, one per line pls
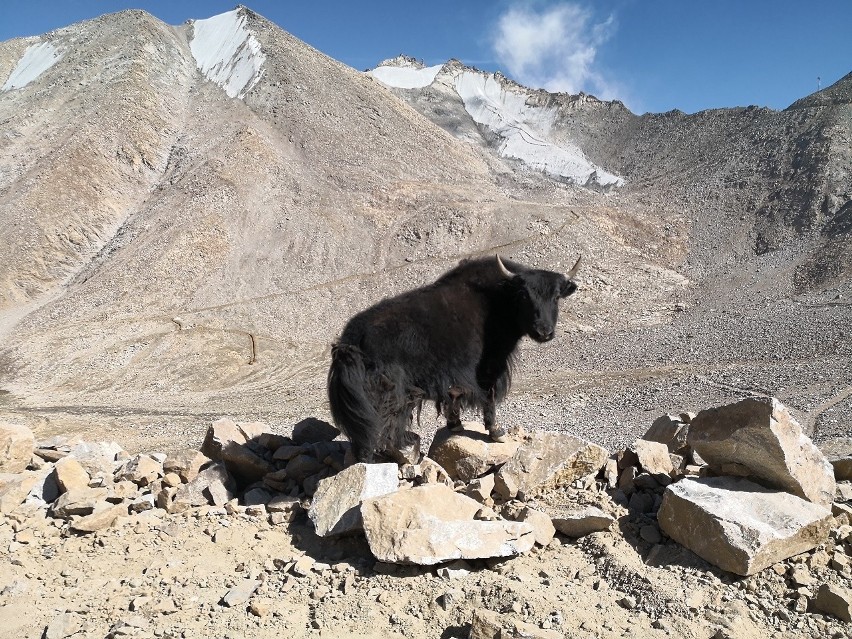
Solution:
(452, 342)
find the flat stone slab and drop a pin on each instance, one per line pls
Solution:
(546, 461)
(579, 522)
(432, 524)
(740, 526)
(336, 505)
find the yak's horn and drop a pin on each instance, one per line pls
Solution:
(570, 275)
(506, 272)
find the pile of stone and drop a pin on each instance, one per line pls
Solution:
(467, 499)
(741, 486)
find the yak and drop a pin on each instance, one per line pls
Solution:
(452, 342)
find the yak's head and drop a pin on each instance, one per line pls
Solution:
(538, 294)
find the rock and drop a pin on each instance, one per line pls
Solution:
(486, 625)
(432, 524)
(16, 447)
(579, 522)
(186, 463)
(458, 569)
(336, 506)
(670, 430)
(245, 465)
(303, 566)
(70, 474)
(312, 430)
(450, 598)
(82, 501)
(213, 485)
(288, 452)
(63, 625)
(15, 489)
(140, 469)
(241, 593)
(738, 525)
(100, 519)
(97, 457)
(254, 431)
(838, 451)
(219, 434)
(283, 509)
(431, 472)
(490, 625)
(257, 497)
(540, 522)
(650, 533)
(611, 472)
(653, 457)
(545, 461)
(834, 600)
(226, 442)
(469, 453)
(302, 466)
(757, 437)
(45, 490)
(480, 489)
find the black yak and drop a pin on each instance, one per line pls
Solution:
(452, 342)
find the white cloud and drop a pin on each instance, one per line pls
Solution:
(554, 47)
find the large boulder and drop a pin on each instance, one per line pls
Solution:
(757, 437)
(470, 452)
(16, 447)
(336, 505)
(545, 461)
(70, 474)
(432, 524)
(740, 526)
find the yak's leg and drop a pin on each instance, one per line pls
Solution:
(489, 416)
(454, 410)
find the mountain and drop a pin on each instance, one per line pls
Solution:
(190, 214)
(788, 173)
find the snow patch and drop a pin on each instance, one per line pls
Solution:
(227, 53)
(37, 59)
(406, 77)
(525, 130)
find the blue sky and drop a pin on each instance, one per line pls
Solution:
(654, 55)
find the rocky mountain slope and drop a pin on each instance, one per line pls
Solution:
(193, 212)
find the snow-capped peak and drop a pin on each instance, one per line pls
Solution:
(526, 127)
(227, 53)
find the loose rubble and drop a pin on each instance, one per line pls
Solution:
(616, 525)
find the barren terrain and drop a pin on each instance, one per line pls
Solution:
(173, 255)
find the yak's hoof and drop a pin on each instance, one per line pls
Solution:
(498, 433)
(456, 427)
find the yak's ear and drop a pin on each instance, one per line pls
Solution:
(567, 288)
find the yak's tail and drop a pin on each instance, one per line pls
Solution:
(351, 408)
